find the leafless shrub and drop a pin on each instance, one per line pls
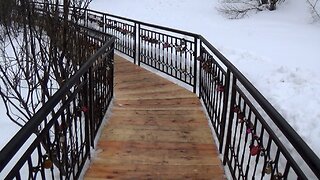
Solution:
(33, 63)
(314, 6)
(236, 9)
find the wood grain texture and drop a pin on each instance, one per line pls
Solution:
(157, 130)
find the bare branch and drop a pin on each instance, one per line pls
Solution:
(236, 9)
(315, 9)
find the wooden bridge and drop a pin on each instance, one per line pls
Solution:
(157, 130)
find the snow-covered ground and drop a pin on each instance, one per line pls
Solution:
(278, 51)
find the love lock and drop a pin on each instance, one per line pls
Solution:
(178, 48)
(254, 149)
(277, 176)
(268, 168)
(220, 88)
(166, 45)
(241, 116)
(249, 130)
(84, 109)
(47, 163)
(236, 109)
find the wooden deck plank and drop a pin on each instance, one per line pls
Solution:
(141, 171)
(157, 130)
(119, 152)
(133, 133)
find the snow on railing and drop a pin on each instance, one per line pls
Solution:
(254, 139)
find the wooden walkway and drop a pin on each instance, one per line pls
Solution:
(157, 131)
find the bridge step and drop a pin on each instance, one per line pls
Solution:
(157, 130)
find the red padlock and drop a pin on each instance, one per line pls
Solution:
(84, 109)
(220, 88)
(254, 150)
(249, 130)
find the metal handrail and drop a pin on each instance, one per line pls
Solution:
(299, 144)
(31, 126)
(302, 148)
(144, 23)
(230, 77)
(74, 96)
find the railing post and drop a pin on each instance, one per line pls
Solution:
(87, 116)
(90, 106)
(195, 65)
(200, 70)
(104, 23)
(137, 48)
(86, 20)
(225, 109)
(231, 116)
(112, 68)
(135, 44)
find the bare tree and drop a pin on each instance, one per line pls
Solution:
(236, 9)
(35, 59)
(315, 9)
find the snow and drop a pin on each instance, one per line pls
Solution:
(8, 129)
(95, 152)
(277, 51)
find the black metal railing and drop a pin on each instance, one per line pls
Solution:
(167, 50)
(254, 139)
(170, 51)
(256, 142)
(55, 143)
